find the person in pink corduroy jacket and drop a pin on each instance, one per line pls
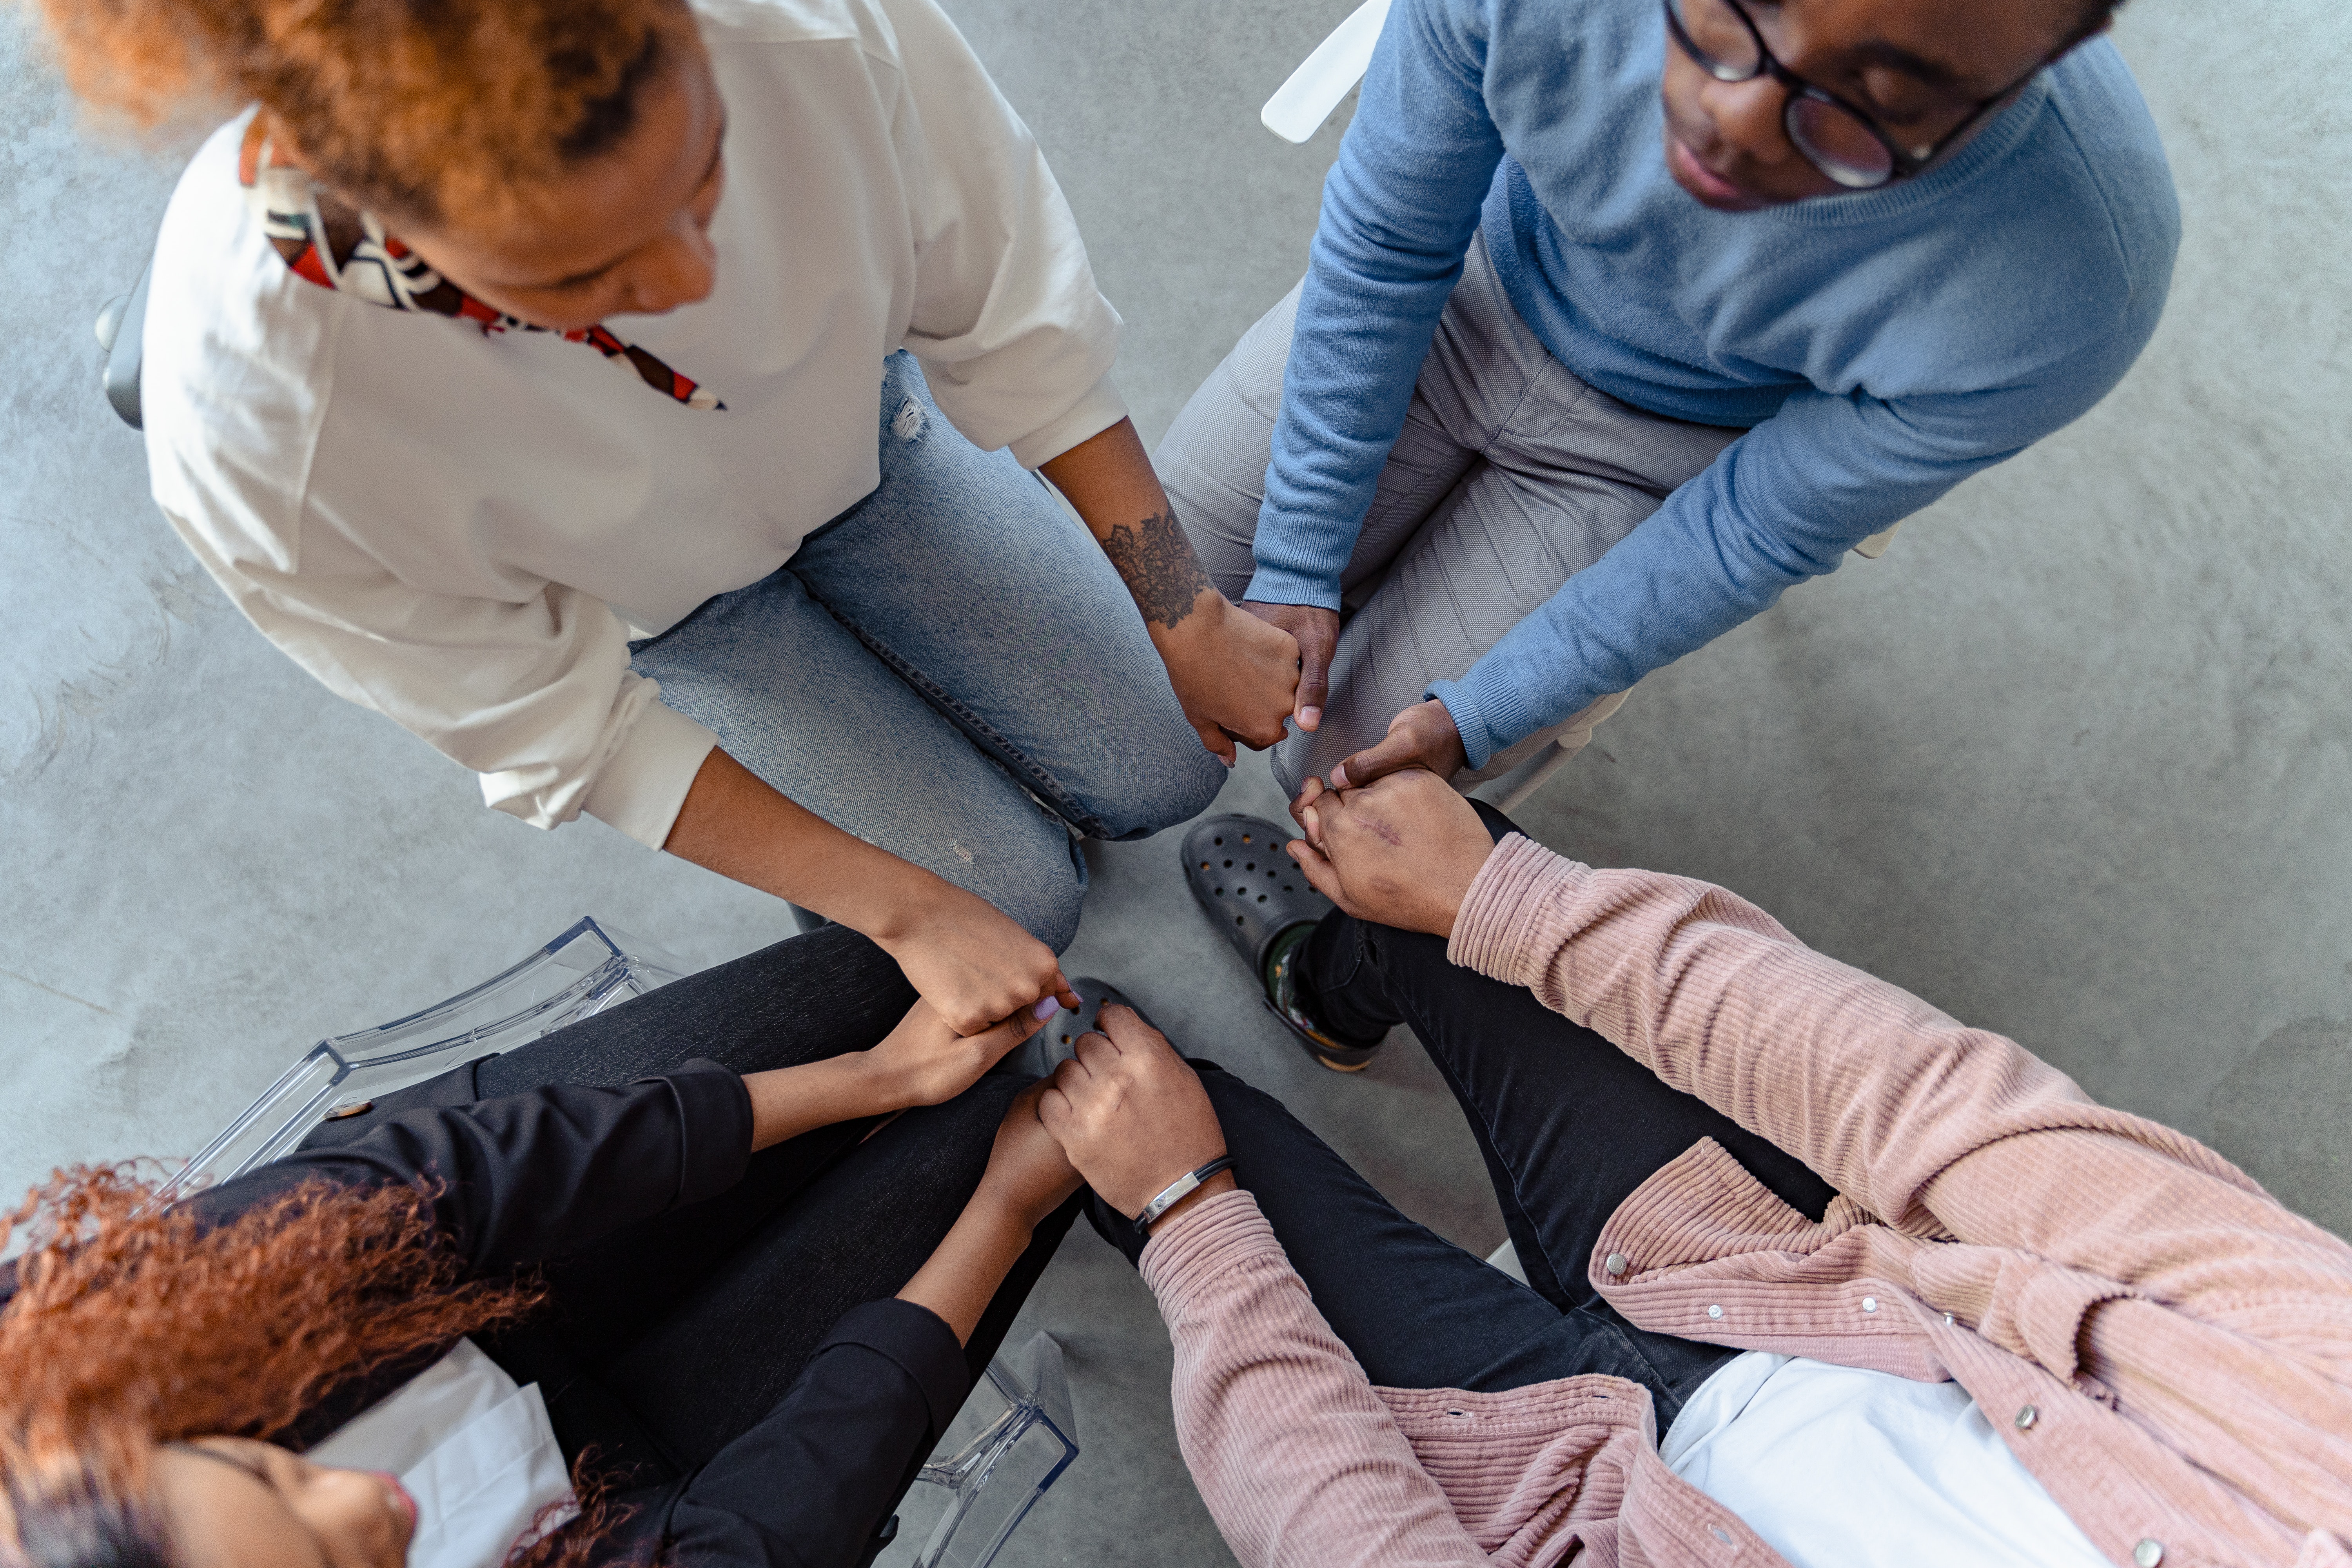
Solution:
(1817, 1274)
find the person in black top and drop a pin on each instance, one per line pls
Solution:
(754, 1236)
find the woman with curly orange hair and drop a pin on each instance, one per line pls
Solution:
(717, 1266)
(617, 394)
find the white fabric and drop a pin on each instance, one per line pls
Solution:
(1836, 1467)
(474, 1452)
(462, 531)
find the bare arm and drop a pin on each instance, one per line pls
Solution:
(1027, 1178)
(1235, 673)
(972, 962)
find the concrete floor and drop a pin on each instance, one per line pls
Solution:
(2073, 762)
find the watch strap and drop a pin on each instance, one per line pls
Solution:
(1177, 1191)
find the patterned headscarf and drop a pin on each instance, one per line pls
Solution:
(372, 265)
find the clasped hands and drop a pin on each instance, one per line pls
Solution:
(1237, 680)
(1127, 1115)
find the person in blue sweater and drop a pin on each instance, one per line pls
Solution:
(1619, 321)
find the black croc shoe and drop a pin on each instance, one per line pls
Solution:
(1253, 892)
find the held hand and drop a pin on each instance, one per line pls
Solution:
(1316, 632)
(1233, 673)
(1028, 1174)
(1402, 852)
(1422, 736)
(924, 1062)
(1129, 1112)
(971, 961)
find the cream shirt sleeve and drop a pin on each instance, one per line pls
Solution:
(1014, 338)
(537, 698)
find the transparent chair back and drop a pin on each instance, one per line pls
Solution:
(588, 968)
(990, 1482)
(994, 1479)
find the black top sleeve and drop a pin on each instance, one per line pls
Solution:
(534, 1176)
(812, 1482)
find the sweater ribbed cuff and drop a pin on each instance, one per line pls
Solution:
(1500, 931)
(1281, 585)
(1489, 710)
(1187, 1258)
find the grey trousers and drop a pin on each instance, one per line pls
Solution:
(1510, 476)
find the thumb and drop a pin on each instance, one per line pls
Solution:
(1396, 752)
(1313, 678)
(998, 1039)
(1317, 866)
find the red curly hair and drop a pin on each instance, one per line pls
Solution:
(134, 1326)
(430, 111)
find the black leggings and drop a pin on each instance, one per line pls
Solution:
(669, 1340)
(1570, 1125)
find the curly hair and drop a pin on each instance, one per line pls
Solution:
(134, 1326)
(430, 111)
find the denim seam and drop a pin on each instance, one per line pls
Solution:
(1015, 761)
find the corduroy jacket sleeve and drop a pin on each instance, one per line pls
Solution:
(2137, 1264)
(1297, 1457)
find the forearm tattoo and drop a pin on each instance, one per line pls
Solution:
(1160, 567)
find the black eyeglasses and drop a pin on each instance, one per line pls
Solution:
(1838, 139)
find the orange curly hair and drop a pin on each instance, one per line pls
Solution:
(133, 1327)
(432, 111)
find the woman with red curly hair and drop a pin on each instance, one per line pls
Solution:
(617, 394)
(701, 1280)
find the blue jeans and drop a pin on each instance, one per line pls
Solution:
(949, 670)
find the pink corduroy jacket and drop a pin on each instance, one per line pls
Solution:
(2164, 1346)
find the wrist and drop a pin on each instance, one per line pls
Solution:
(1223, 1182)
(1201, 628)
(902, 901)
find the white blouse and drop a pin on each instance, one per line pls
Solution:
(463, 529)
(474, 1452)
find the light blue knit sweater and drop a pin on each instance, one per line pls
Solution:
(1878, 348)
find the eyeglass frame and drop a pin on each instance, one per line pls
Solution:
(1906, 164)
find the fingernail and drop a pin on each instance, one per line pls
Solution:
(1339, 776)
(1046, 1008)
(1309, 717)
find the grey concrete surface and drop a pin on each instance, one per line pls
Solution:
(2073, 762)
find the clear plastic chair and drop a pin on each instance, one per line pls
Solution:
(992, 1482)
(583, 972)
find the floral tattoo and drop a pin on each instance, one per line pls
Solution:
(1160, 570)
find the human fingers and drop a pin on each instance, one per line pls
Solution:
(1422, 736)
(1318, 639)
(1095, 1052)
(1128, 1032)
(1219, 744)
(1308, 793)
(1396, 749)
(1318, 869)
(1056, 1110)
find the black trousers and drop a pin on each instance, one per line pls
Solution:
(1568, 1124)
(667, 1341)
